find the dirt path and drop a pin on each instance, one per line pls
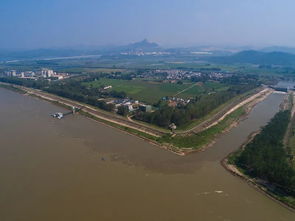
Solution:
(180, 92)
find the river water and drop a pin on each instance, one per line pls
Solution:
(78, 169)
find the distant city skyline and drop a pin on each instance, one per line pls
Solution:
(34, 24)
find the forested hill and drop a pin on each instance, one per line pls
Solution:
(257, 57)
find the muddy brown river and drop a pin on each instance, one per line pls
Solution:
(76, 169)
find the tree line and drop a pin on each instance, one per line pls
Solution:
(72, 89)
(196, 109)
(265, 156)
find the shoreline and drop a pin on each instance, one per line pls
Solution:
(66, 103)
(233, 170)
(248, 108)
(95, 118)
(225, 111)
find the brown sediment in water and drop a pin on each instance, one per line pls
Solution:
(65, 178)
(248, 104)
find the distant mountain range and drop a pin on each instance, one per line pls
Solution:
(141, 46)
(268, 56)
(279, 49)
(144, 45)
(258, 57)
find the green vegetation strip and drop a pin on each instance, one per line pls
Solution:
(205, 137)
(182, 143)
(127, 129)
(194, 123)
(291, 143)
(10, 87)
(266, 160)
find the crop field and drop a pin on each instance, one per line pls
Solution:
(152, 92)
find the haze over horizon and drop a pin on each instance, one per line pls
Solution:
(66, 23)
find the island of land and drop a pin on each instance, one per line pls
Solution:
(178, 100)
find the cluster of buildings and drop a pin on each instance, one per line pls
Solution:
(176, 101)
(219, 75)
(43, 73)
(182, 75)
(132, 105)
(143, 53)
(176, 75)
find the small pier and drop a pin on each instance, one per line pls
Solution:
(60, 115)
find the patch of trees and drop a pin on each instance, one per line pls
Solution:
(123, 110)
(265, 157)
(202, 78)
(25, 82)
(196, 109)
(71, 89)
(241, 79)
(81, 97)
(117, 94)
(76, 91)
(113, 75)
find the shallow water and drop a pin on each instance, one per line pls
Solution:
(78, 169)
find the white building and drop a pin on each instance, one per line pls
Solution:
(47, 73)
(107, 87)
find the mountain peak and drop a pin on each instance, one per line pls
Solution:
(144, 44)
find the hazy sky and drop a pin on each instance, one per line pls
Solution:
(60, 23)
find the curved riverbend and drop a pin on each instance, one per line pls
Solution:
(78, 169)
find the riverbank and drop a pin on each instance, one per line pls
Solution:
(226, 109)
(206, 138)
(272, 190)
(11, 87)
(222, 125)
(254, 183)
(78, 158)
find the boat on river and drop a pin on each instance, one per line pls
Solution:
(58, 115)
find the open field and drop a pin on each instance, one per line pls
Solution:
(152, 92)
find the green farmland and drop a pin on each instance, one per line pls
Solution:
(152, 92)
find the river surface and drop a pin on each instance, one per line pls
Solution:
(76, 169)
(286, 84)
